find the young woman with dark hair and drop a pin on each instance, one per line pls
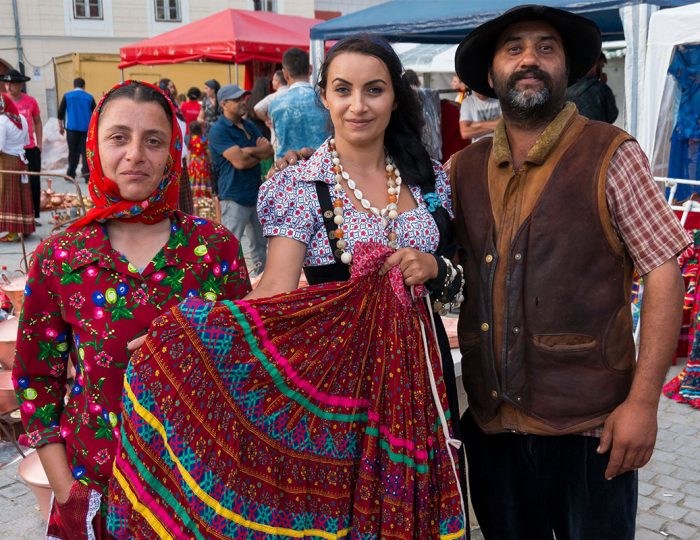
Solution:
(377, 120)
(261, 87)
(93, 288)
(211, 109)
(322, 411)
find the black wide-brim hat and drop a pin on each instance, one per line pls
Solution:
(581, 37)
(14, 76)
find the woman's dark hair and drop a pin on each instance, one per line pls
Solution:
(195, 128)
(412, 78)
(194, 93)
(261, 88)
(402, 138)
(213, 84)
(140, 93)
(279, 74)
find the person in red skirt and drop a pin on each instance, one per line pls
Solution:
(94, 287)
(16, 210)
(198, 166)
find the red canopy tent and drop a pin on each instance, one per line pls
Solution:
(230, 36)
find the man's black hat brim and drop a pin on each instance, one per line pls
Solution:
(14, 76)
(581, 37)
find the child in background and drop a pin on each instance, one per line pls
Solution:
(190, 109)
(198, 169)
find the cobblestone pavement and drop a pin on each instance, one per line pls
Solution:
(669, 486)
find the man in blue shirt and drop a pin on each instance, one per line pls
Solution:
(297, 117)
(73, 119)
(237, 148)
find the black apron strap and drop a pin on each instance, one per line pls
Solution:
(337, 271)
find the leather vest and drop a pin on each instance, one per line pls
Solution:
(567, 355)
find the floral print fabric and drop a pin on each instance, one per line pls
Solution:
(288, 206)
(85, 301)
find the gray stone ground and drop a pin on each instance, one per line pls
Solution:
(669, 487)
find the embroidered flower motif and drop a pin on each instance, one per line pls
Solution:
(103, 359)
(48, 267)
(432, 201)
(57, 370)
(83, 256)
(76, 300)
(33, 438)
(141, 296)
(102, 456)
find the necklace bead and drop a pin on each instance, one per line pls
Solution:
(387, 215)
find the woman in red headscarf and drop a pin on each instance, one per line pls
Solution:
(16, 210)
(95, 287)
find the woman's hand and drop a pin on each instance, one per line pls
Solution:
(416, 267)
(290, 158)
(62, 492)
(55, 462)
(135, 343)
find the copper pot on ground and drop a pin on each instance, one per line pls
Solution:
(32, 473)
(8, 342)
(14, 289)
(8, 399)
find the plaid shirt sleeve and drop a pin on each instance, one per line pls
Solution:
(644, 221)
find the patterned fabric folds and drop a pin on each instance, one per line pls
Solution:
(305, 415)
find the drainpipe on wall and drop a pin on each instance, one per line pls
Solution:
(18, 38)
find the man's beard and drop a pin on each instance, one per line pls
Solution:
(530, 107)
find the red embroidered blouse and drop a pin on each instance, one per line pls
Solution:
(85, 301)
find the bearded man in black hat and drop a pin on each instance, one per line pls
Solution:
(29, 108)
(554, 214)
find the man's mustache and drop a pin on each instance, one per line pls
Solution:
(526, 73)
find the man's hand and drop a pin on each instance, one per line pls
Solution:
(290, 158)
(416, 267)
(262, 141)
(631, 432)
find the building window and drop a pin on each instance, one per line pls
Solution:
(265, 5)
(168, 10)
(87, 9)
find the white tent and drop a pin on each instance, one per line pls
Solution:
(427, 57)
(667, 29)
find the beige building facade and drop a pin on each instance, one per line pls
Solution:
(54, 28)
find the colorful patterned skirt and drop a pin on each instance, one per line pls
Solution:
(16, 209)
(200, 176)
(690, 270)
(314, 414)
(685, 387)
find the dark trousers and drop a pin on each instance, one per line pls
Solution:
(534, 487)
(76, 150)
(33, 156)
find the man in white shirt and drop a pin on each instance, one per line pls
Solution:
(478, 116)
(280, 87)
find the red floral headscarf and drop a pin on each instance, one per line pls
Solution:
(9, 109)
(104, 192)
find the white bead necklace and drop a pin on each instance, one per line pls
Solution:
(388, 214)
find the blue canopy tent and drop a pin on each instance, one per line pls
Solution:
(448, 21)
